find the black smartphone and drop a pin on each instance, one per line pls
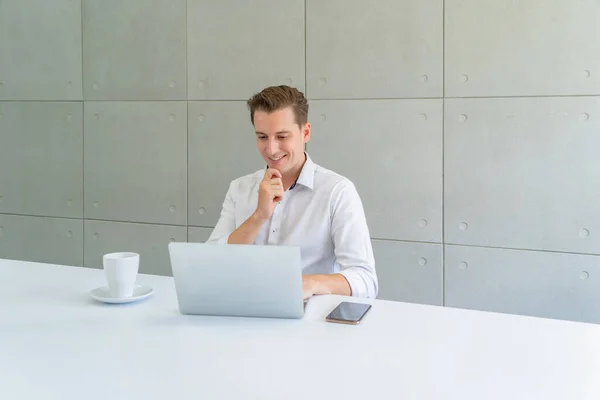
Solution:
(348, 313)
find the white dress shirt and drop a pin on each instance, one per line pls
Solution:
(322, 214)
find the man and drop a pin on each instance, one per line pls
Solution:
(295, 202)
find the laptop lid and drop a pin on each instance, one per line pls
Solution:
(237, 280)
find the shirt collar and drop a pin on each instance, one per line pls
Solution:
(307, 175)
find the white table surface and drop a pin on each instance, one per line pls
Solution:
(57, 343)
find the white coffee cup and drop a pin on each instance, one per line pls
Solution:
(121, 271)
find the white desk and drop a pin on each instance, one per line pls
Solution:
(57, 343)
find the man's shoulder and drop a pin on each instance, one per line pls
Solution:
(339, 189)
(329, 179)
(248, 181)
(251, 177)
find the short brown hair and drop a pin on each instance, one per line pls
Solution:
(275, 98)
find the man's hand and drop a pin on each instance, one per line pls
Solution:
(308, 286)
(325, 284)
(269, 194)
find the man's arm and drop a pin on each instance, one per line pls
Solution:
(325, 284)
(270, 193)
(353, 250)
(247, 232)
(225, 231)
(226, 223)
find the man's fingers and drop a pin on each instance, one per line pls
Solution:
(276, 182)
(272, 173)
(277, 193)
(277, 189)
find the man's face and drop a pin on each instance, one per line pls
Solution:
(280, 140)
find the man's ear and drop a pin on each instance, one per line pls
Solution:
(306, 132)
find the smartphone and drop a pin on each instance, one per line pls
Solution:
(348, 313)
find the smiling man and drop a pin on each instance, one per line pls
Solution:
(295, 202)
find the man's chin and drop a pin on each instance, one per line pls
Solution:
(281, 167)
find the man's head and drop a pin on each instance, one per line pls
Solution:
(280, 118)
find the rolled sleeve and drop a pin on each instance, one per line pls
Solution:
(362, 283)
(226, 223)
(352, 241)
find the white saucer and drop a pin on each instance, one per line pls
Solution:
(139, 292)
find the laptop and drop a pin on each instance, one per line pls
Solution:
(237, 280)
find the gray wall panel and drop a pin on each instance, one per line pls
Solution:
(374, 49)
(519, 173)
(520, 48)
(136, 161)
(150, 241)
(42, 239)
(196, 234)
(551, 285)
(222, 147)
(409, 272)
(404, 101)
(40, 50)
(41, 158)
(134, 50)
(391, 150)
(236, 48)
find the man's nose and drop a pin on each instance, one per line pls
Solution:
(272, 146)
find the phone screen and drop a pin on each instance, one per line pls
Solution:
(347, 311)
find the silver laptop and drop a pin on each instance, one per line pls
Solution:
(237, 280)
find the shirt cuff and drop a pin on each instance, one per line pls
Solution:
(359, 283)
(224, 239)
